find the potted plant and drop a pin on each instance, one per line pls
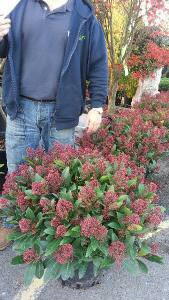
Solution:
(78, 214)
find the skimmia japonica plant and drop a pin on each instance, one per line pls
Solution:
(142, 132)
(73, 207)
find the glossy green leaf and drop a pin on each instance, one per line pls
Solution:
(29, 274)
(17, 260)
(143, 268)
(39, 269)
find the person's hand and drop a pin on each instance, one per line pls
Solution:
(94, 119)
(5, 25)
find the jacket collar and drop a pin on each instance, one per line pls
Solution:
(84, 8)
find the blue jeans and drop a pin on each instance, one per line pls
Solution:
(33, 126)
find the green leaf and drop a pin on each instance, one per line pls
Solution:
(104, 249)
(74, 232)
(24, 243)
(67, 271)
(131, 265)
(155, 258)
(82, 270)
(122, 198)
(145, 249)
(38, 178)
(107, 262)
(52, 247)
(66, 195)
(66, 240)
(99, 193)
(89, 250)
(15, 236)
(66, 175)
(143, 268)
(52, 270)
(126, 211)
(40, 216)
(59, 164)
(29, 274)
(94, 244)
(17, 260)
(120, 217)
(111, 188)
(28, 193)
(104, 179)
(76, 229)
(132, 251)
(50, 230)
(131, 247)
(114, 225)
(141, 189)
(73, 188)
(39, 269)
(114, 237)
(49, 238)
(37, 247)
(97, 261)
(132, 182)
(30, 214)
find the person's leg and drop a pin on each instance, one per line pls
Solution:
(50, 135)
(21, 133)
(65, 137)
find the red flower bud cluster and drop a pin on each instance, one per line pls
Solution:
(156, 217)
(64, 254)
(22, 201)
(55, 222)
(39, 188)
(63, 208)
(87, 195)
(53, 180)
(132, 219)
(139, 206)
(25, 225)
(30, 256)
(3, 203)
(92, 227)
(60, 231)
(117, 251)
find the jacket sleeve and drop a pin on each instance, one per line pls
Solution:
(4, 47)
(98, 66)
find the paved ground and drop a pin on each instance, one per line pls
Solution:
(115, 284)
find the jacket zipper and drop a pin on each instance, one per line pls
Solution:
(74, 48)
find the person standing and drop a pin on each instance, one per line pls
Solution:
(52, 48)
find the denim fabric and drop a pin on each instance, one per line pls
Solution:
(6, 223)
(33, 126)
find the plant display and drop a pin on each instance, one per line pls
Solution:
(139, 133)
(74, 207)
(150, 52)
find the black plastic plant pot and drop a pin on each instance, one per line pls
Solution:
(86, 282)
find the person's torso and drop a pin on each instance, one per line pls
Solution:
(44, 39)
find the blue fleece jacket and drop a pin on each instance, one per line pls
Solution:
(85, 59)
